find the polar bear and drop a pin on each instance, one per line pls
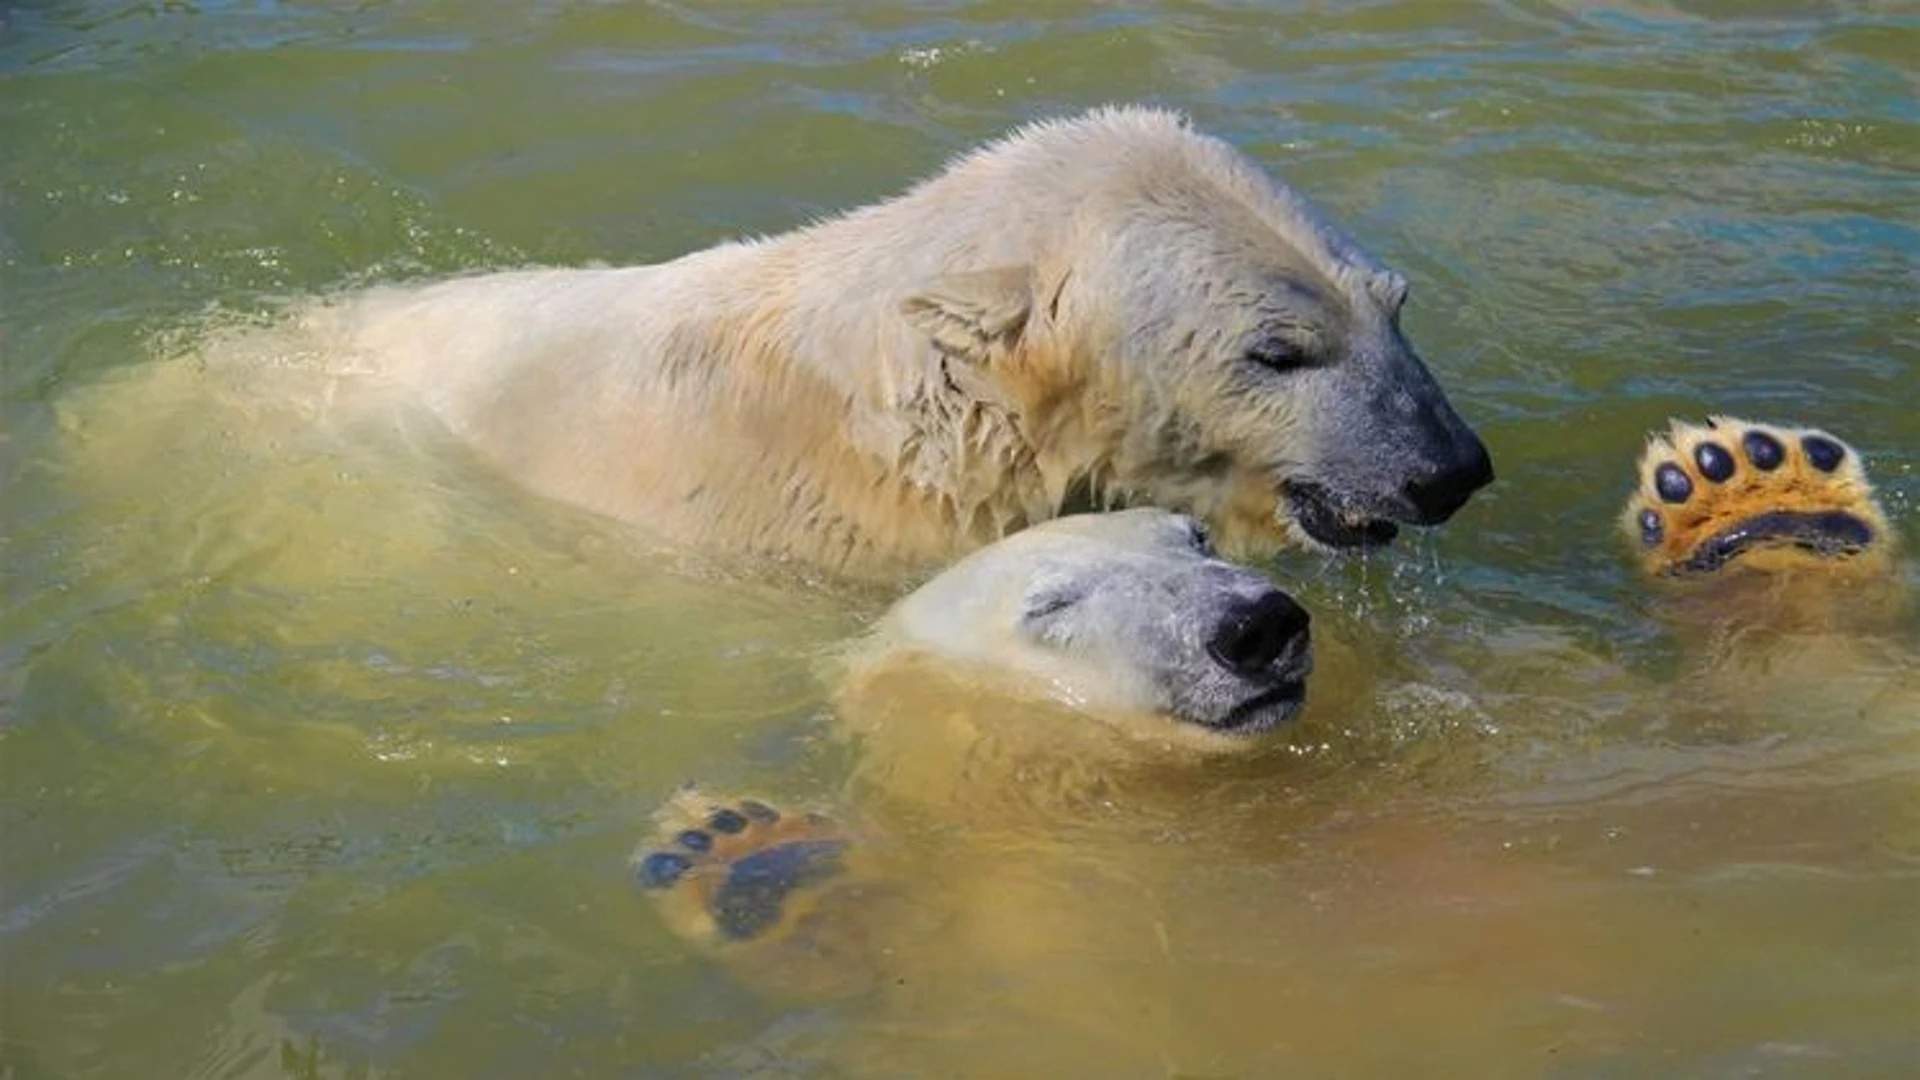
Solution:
(1052, 668)
(1103, 310)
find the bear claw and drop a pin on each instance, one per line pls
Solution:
(1703, 503)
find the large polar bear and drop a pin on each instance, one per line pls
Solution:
(1096, 311)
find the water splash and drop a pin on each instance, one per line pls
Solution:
(1398, 588)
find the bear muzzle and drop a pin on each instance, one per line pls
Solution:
(1330, 519)
(1437, 494)
(1253, 635)
(1263, 647)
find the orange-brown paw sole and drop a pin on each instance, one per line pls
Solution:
(1760, 496)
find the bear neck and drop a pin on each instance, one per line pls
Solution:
(903, 455)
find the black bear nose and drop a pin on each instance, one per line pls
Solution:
(1436, 495)
(1253, 633)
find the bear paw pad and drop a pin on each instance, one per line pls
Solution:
(1769, 497)
(737, 872)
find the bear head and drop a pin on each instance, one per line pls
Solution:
(1126, 613)
(1191, 334)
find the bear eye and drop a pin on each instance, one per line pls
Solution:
(1278, 354)
(1045, 602)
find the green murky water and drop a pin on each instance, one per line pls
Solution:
(322, 759)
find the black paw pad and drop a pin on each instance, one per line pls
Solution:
(726, 821)
(1714, 462)
(662, 868)
(759, 811)
(1763, 450)
(1825, 454)
(1672, 483)
(1652, 529)
(749, 901)
(695, 840)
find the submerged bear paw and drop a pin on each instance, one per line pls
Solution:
(740, 871)
(1766, 497)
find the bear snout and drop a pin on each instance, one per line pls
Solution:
(1253, 633)
(1437, 494)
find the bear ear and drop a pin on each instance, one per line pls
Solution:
(972, 313)
(1390, 289)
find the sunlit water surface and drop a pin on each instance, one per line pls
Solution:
(324, 756)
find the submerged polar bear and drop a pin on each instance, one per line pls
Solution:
(1096, 311)
(1069, 661)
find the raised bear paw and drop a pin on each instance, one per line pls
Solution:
(1766, 497)
(727, 873)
